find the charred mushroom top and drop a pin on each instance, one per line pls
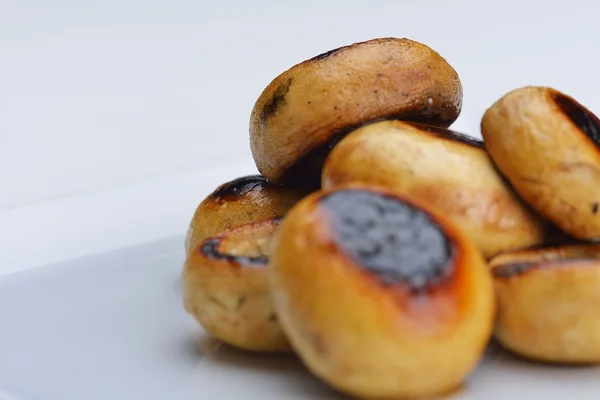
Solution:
(391, 246)
(392, 240)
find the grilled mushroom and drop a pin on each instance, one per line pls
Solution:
(305, 110)
(446, 169)
(547, 146)
(548, 302)
(375, 292)
(244, 200)
(226, 288)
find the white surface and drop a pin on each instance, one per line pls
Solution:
(108, 219)
(94, 93)
(113, 327)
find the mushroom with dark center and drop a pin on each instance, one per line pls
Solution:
(374, 291)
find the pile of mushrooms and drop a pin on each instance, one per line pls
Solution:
(385, 250)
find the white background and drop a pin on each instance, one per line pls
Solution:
(115, 108)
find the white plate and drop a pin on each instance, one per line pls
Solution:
(113, 327)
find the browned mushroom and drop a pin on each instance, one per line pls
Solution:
(547, 146)
(306, 109)
(226, 288)
(548, 302)
(375, 292)
(443, 168)
(247, 199)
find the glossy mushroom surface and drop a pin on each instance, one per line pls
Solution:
(548, 303)
(240, 201)
(375, 292)
(446, 169)
(226, 288)
(547, 146)
(305, 110)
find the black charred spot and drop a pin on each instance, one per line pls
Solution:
(309, 102)
(380, 75)
(580, 116)
(555, 236)
(277, 101)
(595, 208)
(239, 187)
(392, 240)
(434, 120)
(512, 269)
(548, 245)
(327, 54)
(273, 317)
(450, 135)
(375, 91)
(211, 249)
(306, 172)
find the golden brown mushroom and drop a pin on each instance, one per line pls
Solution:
(306, 109)
(244, 200)
(548, 302)
(546, 144)
(226, 288)
(443, 168)
(379, 296)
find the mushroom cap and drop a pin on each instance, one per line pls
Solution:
(443, 168)
(304, 110)
(240, 201)
(547, 145)
(548, 302)
(382, 330)
(226, 288)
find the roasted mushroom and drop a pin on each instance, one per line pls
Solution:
(379, 296)
(247, 199)
(446, 169)
(548, 302)
(546, 144)
(306, 109)
(226, 288)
